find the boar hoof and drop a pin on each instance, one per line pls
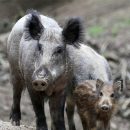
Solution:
(15, 118)
(15, 123)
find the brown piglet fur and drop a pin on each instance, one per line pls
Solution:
(96, 103)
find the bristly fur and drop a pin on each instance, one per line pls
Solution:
(87, 102)
(33, 27)
(73, 32)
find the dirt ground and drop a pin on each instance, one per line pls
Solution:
(107, 28)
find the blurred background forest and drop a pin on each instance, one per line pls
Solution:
(107, 30)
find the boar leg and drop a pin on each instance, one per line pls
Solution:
(92, 121)
(84, 124)
(57, 103)
(70, 105)
(15, 115)
(84, 119)
(107, 127)
(37, 99)
(104, 126)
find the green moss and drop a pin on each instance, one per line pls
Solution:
(120, 25)
(95, 31)
(127, 21)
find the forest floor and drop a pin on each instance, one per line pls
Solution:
(107, 28)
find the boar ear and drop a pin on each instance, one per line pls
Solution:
(99, 84)
(118, 85)
(73, 32)
(34, 26)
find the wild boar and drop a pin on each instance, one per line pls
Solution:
(37, 61)
(48, 60)
(96, 102)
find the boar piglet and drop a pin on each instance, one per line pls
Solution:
(96, 102)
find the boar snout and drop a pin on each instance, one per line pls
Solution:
(39, 84)
(105, 107)
(41, 79)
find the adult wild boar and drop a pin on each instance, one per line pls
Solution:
(36, 55)
(46, 59)
(86, 65)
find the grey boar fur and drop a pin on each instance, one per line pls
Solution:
(38, 48)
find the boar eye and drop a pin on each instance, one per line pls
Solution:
(59, 50)
(100, 94)
(39, 47)
(112, 95)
